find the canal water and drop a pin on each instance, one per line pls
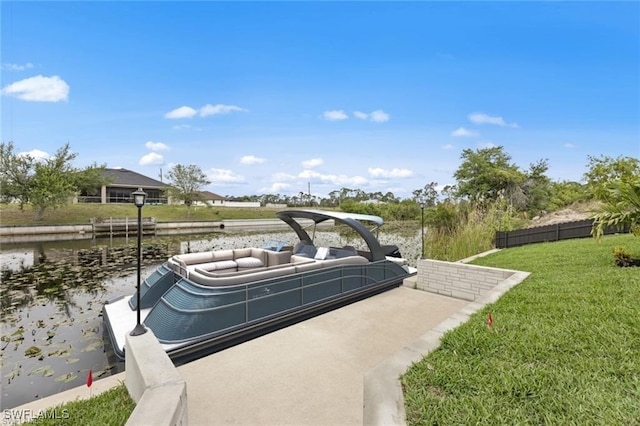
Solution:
(52, 293)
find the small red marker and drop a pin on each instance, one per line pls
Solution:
(490, 320)
(89, 379)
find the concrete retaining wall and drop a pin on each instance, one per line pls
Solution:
(268, 224)
(153, 383)
(459, 280)
(19, 234)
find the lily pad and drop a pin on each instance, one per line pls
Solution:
(95, 345)
(60, 353)
(66, 378)
(32, 351)
(45, 371)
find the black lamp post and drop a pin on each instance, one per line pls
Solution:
(422, 202)
(139, 197)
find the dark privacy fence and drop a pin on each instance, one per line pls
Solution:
(556, 232)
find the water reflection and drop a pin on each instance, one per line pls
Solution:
(52, 293)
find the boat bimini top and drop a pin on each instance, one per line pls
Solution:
(353, 220)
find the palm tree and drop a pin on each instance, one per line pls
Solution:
(622, 207)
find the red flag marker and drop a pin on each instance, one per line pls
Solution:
(89, 379)
(490, 320)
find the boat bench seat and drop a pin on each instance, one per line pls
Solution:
(229, 267)
(298, 264)
(231, 260)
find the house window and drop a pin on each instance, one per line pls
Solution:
(118, 195)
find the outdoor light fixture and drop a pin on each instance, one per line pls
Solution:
(422, 202)
(139, 197)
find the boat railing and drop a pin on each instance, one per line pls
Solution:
(237, 306)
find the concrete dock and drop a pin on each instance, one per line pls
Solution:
(310, 373)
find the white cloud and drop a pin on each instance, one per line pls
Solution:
(379, 116)
(378, 172)
(276, 188)
(462, 132)
(16, 67)
(335, 115)
(448, 147)
(486, 144)
(209, 109)
(182, 112)
(39, 89)
(342, 180)
(224, 176)
(314, 162)
(280, 176)
(251, 159)
(156, 146)
(569, 145)
(36, 154)
(482, 118)
(151, 159)
(309, 174)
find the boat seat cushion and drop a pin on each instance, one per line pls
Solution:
(218, 265)
(193, 258)
(250, 252)
(249, 262)
(278, 257)
(223, 255)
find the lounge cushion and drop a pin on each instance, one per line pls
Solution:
(249, 262)
(223, 255)
(220, 264)
(242, 252)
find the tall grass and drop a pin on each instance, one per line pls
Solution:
(473, 232)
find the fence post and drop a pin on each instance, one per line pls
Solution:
(557, 232)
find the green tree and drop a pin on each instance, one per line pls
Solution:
(46, 183)
(15, 175)
(487, 174)
(536, 188)
(186, 183)
(605, 170)
(565, 193)
(622, 207)
(428, 193)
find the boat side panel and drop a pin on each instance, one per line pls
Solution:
(189, 311)
(154, 287)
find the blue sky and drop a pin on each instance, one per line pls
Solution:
(267, 97)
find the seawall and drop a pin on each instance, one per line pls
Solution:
(28, 233)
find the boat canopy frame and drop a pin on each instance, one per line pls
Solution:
(353, 220)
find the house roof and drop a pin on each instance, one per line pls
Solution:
(210, 196)
(124, 177)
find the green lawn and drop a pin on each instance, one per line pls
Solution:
(564, 347)
(111, 408)
(10, 214)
